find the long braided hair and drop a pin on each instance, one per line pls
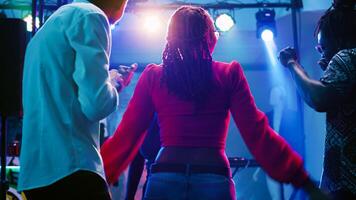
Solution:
(187, 61)
(338, 24)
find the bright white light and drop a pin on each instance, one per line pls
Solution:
(267, 35)
(277, 70)
(28, 20)
(112, 26)
(272, 51)
(224, 22)
(152, 23)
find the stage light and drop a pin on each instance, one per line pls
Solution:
(152, 23)
(112, 26)
(266, 24)
(267, 35)
(224, 22)
(28, 20)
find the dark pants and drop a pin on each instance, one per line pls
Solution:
(342, 195)
(84, 185)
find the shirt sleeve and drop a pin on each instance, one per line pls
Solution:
(90, 38)
(269, 149)
(119, 150)
(341, 73)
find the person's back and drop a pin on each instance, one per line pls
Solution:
(193, 96)
(192, 135)
(181, 123)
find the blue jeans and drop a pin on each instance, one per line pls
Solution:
(179, 186)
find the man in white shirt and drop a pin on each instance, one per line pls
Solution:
(67, 89)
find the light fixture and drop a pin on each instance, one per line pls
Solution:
(28, 20)
(266, 24)
(224, 22)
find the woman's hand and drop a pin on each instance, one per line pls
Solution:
(314, 192)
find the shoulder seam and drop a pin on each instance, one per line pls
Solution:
(341, 59)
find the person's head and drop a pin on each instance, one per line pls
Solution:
(187, 57)
(114, 9)
(336, 28)
(190, 23)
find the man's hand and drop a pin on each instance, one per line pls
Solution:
(122, 76)
(127, 73)
(323, 63)
(287, 55)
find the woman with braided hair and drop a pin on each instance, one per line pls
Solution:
(193, 96)
(335, 94)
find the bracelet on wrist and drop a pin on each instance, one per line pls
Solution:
(291, 63)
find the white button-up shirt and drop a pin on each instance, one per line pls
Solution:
(66, 91)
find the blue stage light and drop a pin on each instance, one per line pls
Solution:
(266, 24)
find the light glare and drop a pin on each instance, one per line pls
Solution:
(224, 22)
(267, 35)
(152, 24)
(28, 20)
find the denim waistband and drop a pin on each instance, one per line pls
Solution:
(190, 169)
